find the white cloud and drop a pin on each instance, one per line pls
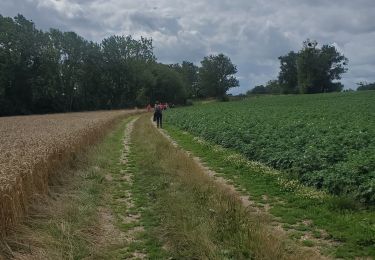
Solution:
(69, 8)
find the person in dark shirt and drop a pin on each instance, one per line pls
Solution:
(158, 114)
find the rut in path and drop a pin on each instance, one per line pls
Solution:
(110, 233)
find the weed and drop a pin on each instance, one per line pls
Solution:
(308, 243)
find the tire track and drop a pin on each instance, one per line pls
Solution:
(112, 234)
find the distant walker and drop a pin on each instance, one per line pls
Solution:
(158, 114)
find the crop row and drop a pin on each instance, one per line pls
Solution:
(326, 140)
(33, 147)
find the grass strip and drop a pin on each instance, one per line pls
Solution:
(335, 219)
(193, 216)
(132, 219)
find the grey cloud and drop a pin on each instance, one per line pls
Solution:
(253, 33)
(152, 22)
(188, 46)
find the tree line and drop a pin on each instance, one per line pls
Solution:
(365, 86)
(311, 70)
(55, 71)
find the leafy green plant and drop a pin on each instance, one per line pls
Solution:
(325, 140)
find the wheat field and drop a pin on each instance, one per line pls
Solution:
(33, 147)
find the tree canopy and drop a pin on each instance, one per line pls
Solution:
(216, 76)
(365, 86)
(189, 73)
(288, 73)
(317, 68)
(55, 71)
(311, 70)
(272, 87)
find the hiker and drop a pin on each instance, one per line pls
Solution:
(148, 108)
(158, 115)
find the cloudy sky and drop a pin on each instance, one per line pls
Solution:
(253, 33)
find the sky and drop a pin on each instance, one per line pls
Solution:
(253, 33)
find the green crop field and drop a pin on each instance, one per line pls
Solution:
(325, 140)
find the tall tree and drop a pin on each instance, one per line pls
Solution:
(124, 59)
(189, 73)
(166, 85)
(47, 81)
(317, 68)
(93, 88)
(288, 73)
(335, 66)
(19, 51)
(216, 75)
(7, 29)
(72, 55)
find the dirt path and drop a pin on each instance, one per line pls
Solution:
(183, 185)
(127, 175)
(260, 212)
(111, 233)
(246, 202)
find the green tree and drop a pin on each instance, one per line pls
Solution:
(260, 89)
(317, 68)
(71, 48)
(273, 87)
(19, 52)
(125, 59)
(7, 35)
(216, 76)
(365, 86)
(189, 73)
(169, 85)
(93, 88)
(46, 83)
(288, 73)
(56, 71)
(146, 86)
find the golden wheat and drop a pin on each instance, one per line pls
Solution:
(33, 147)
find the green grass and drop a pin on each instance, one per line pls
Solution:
(194, 217)
(118, 188)
(324, 140)
(352, 231)
(308, 243)
(112, 193)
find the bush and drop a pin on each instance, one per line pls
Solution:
(344, 203)
(189, 102)
(224, 98)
